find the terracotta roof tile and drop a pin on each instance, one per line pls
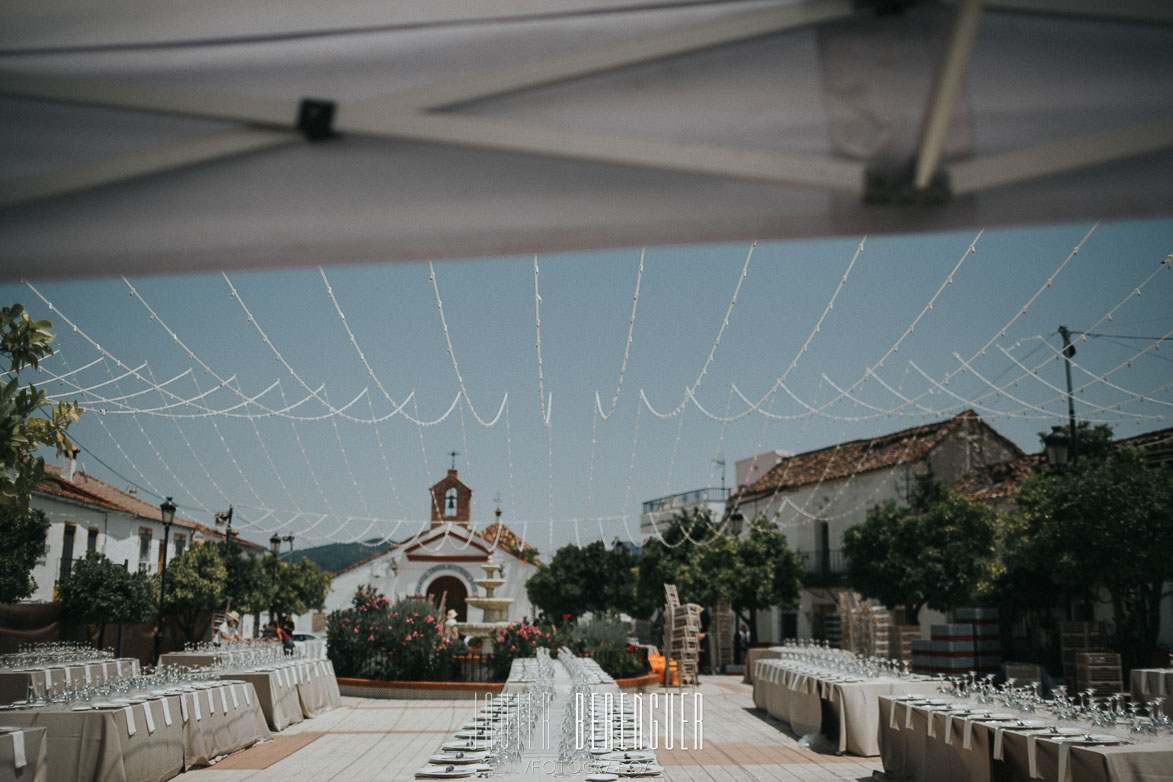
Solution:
(857, 456)
(92, 491)
(998, 482)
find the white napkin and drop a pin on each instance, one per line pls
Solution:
(1064, 751)
(150, 717)
(183, 708)
(19, 760)
(130, 729)
(195, 702)
(908, 715)
(929, 724)
(948, 729)
(284, 673)
(967, 734)
(68, 680)
(998, 743)
(892, 716)
(235, 700)
(224, 699)
(248, 699)
(118, 667)
(166, 711)
(211, 702)
(1032, 758)
(89, 675)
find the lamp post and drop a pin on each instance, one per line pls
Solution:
(225, 517)
(275, 548)
(1056, 444)
(167, 516)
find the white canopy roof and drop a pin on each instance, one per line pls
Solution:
(140, 136)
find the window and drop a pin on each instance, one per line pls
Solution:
(180, 542)
(92, 539)
(450, 502)
(67, 539)
(144, 549)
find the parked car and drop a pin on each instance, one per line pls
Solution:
(300, 639)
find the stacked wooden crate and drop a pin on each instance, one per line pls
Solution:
(901, 638)
(1099, 671)
(1077, 637)
(987, 637)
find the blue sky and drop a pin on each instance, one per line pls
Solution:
(549, 473)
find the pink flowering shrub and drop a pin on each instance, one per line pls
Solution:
(404, 641)
(518, 640)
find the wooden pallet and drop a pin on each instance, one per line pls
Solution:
(1099, 671)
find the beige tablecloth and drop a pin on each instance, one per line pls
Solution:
(14, 685)
(278, 699)
(221, 724)
(1147, 683)
(34, 766)
(98, 745)
(758, 653)
(909, 751)
(119, 744)
(794, 694)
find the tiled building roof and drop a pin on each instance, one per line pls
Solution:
(998, 482)
(859, 456)
(509, 542)
(88, 490)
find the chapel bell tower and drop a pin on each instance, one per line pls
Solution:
(451, 501)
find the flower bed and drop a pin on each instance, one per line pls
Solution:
(405, 641)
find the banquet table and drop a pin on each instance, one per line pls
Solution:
(924, 743)
(795, 693)
(149, 738)
(1147, 683)
(14, 684)
(23, 754)
(758, 653)
(277, 695)
(317, 687)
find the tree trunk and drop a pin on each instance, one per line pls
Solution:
(118, 651)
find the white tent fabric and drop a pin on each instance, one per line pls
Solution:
(140, 136)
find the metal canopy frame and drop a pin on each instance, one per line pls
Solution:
(420, 115)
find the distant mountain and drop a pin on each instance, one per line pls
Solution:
(333, 557)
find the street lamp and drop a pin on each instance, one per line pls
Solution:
(225, 517)
(275, 548)
(1056, 444)
(167, 516)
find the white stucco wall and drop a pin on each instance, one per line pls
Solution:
(118, 539)
(413, 577)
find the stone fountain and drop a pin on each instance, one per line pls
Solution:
(495, 608)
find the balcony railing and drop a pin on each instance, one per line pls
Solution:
(686, 499)
(821, 568)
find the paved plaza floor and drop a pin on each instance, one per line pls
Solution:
(385, 740)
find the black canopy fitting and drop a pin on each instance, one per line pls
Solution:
(888, 185)
(315, 119)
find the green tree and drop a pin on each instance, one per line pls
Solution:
(663, 557)
(938, 551)
(300, 587)
(757, 571)
(1103, 526)
(249, 580)
(100, 592)
(591, 578)
(195, 584)
(27, 422)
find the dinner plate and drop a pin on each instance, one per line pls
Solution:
(466, 746)
(1001, 717)
(638, 770)
(602, 778)
(83, 707)
(635, 757)
(1032, 723)
(457, 758)
(444, 772)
